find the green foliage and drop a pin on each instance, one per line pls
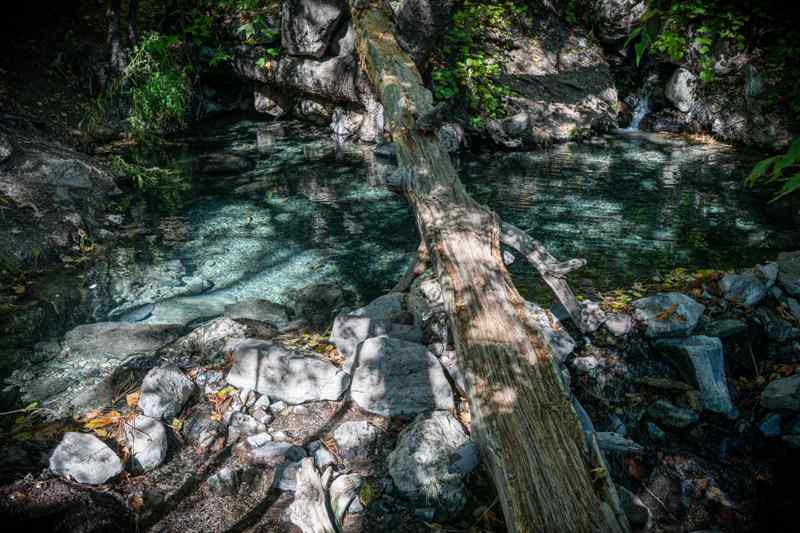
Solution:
(695, 32)
(784, 168)
(687, 30)
(156, 86)
(168, 187)
(474, 55)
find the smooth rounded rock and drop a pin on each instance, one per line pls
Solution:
(164, 392)
(147, 440)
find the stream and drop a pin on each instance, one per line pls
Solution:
(260, 209)
(268, 208)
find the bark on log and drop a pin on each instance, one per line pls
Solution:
(522, 417)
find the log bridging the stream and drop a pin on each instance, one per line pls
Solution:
(530, 437)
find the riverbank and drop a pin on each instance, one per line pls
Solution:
(690, 385)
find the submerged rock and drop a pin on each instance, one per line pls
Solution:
(701, 361)
(396, 377)
(147, 440)
(419, 464)
(783, 393)
(668, 314)
(84, 458)
(118, 340)
(259, 310)
(164, 392)
(283, 374)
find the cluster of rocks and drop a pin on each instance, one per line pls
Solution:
(278, 416)
(272, 409)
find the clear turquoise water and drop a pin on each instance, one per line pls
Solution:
(633, 205)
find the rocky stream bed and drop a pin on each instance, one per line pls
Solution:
(692, 393)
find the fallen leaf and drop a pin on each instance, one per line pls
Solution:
(667, 313)
(132, 399)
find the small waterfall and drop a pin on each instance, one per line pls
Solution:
(639, 112)
(642, 107)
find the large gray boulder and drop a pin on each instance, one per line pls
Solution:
(283, 374)
(783, 393)
(746, 288)
(147, 440)
(307, 26)
(84, 458)
(680, 89)
(701, 361)
(789, 272)
(164, 392)
(419, 464)
(668, 314)
(396, 377)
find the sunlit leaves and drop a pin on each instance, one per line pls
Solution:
(772, 169)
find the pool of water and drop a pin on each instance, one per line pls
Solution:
(634, 205)
(260, 209)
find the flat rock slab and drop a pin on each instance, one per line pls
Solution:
(84, 458)
(164, 392)
(668, 314)
(283, 374)
(118, 340)
(396, 377)
(419, 464)
(147, 440)
(701, 361)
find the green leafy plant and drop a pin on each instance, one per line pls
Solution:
(157, 77)
(686, 30)
(169, 187)
(783, 168)
(474, 55)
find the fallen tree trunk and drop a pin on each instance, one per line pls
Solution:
(522, 417)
